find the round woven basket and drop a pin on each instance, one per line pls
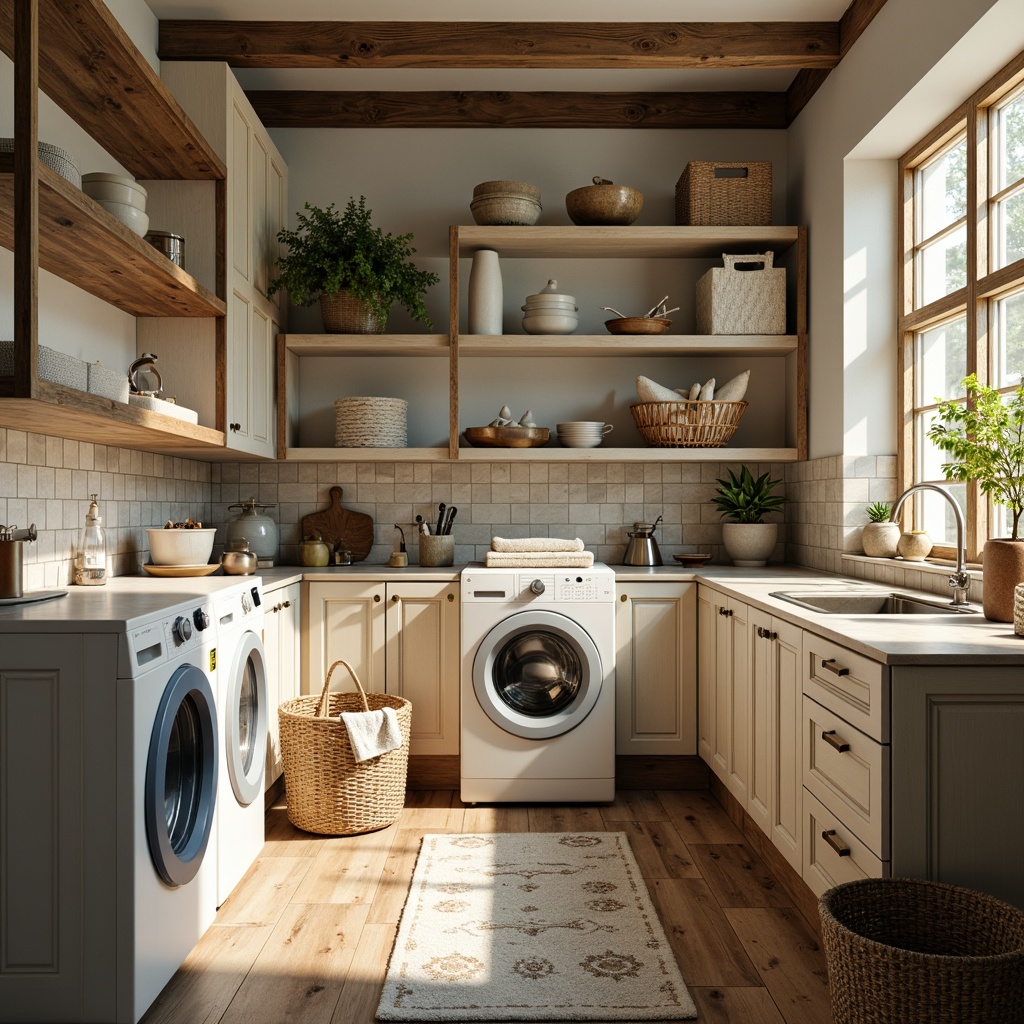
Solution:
(906, 951)
(329, 791)
(370, 422)
(345, 314)
(698, 424)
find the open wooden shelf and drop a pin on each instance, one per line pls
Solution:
(366, 344)
(367, 454)
(92, 70)
(627, 345)
(88, 247)
(604, 454)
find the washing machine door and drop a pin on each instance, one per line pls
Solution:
(181, 776)
(537, 674)
(245, 719)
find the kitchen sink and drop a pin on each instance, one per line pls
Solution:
(849, 602)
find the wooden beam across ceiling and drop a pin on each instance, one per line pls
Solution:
(437, 44)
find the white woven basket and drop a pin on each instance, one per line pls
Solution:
(52, 365)
(370, 422)
(733, 301)
(53, 156)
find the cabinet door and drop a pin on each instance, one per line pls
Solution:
(708, 603)
(731, 682)
(656, 668)
(344, 620)
(277, 214)
(241, 202)
(422, 661)
(281, 643)
(763, 652)
(785, 709)
(259, 183)
(252, 344)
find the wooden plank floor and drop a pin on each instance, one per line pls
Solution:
(307, 933)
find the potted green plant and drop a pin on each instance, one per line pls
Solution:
(748, 540)
(356, 270)
(880, 537)
(985, 437)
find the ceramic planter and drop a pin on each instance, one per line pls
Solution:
(1002, 568)
(914, 546)
(749, 544)
(879, 540)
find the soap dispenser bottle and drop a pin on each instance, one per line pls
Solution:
(91, 560)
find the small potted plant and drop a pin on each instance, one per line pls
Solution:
(880, 536)
(356, 270)
(985, 437)
(748, 540)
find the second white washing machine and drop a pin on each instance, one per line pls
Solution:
(538, 685)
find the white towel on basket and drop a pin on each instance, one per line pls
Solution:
(539, 559)
(372, 733)
(535, 544)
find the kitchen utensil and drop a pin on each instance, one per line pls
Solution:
(180, 547)
(170, 244)
(144, 378)
(642, 548)
(440, 517)
(604, 203)
(449, 519)
(238, 560)
(259, 530)
(638, 325)
(506, 437)
(353, 530)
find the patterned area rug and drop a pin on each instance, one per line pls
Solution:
(534, 927)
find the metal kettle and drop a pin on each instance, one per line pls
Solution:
(642, 548)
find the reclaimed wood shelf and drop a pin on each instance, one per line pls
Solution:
(366, 344)
(366, 454)
(638, 454)
(88, 247)
(627, 345)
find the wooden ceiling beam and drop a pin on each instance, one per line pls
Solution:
(314, 109)
(437, 44)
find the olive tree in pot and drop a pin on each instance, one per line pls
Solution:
(356, 270)
(748, 540)
(985, 437)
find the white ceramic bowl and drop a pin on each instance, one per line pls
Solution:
(129, 216)
(114, 188)
(550, 323)
(180, 547)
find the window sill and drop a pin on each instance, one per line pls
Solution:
(937, 566)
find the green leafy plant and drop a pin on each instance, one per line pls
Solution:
(985, 436)
(878, 512)
(334, 250)
(746, 500)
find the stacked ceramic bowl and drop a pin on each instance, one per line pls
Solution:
(550, 311)
(505, 202)
(123, 198)
(582, 433)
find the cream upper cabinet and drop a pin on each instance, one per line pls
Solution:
(284, 664)
(655, 668)
(400, 638)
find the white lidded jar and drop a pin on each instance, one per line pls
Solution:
(91, 559)
(258, 530)
(550, 311)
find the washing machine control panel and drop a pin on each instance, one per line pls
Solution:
(566, 586)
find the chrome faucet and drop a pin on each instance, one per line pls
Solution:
(960, 579)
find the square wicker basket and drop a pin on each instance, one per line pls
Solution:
(687, 424)
(715, 193)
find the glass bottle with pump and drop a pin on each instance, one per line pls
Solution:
(91, 560)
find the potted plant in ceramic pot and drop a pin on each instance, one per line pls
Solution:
(748, 540)
(356, 270)
(985, 437)
(880, 537)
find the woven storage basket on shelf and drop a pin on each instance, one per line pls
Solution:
(906, 951)
(687, 424)
(716, 193)
(54, 157)
(343, 313)
(368, 422)
(330, 792)
(731, 300)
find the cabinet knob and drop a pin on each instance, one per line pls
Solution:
(287, 604)
(451, 597)
(376, 598)
(623, 598)
(725, 611)
(234, 426)
(395, 599)
(829, 835)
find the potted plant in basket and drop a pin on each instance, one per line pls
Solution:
(985, 437)
(356, 270)
(880, 537)
(748, 540)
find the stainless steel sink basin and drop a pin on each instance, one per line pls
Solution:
(848, 602)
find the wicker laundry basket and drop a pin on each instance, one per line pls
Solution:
(329, 791)
(905, 951)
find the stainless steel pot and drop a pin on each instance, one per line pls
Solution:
(642, 548)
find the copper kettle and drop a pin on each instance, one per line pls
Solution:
(642, 548)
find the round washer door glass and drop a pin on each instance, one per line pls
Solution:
(246, 719)
(537, 674)
(181, 776)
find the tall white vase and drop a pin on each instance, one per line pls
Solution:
(485, 293)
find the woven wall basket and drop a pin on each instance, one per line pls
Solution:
(345, 314)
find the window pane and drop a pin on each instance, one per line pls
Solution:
(941, 362)
(942, 267)
(1009, 143)
(935, 515)
(942, 191)
(1008, 340)
(1008, 230)
(928, 460)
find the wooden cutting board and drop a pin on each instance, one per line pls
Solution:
(353, 529)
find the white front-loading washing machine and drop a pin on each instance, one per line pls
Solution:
(242, 705)
(538, 685)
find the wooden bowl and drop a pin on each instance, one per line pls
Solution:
(506, 437)
(637, 325)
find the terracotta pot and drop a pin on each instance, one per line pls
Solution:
(879, 540)
(1002, 568)
(749, 544)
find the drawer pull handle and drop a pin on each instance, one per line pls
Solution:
(829, 835)
(830, 737)
(767, 634)
(833, 666)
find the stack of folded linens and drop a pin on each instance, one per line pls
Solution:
(538, 552)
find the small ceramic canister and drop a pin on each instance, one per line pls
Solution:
(914, 546)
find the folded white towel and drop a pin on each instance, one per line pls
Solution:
(535, 544)
(372, 733)
(539, 559)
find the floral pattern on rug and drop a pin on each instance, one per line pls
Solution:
(585, 945)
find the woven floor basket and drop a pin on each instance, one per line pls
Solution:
(329, 791)
(344, 314)
(904, 951)
(687, 424)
